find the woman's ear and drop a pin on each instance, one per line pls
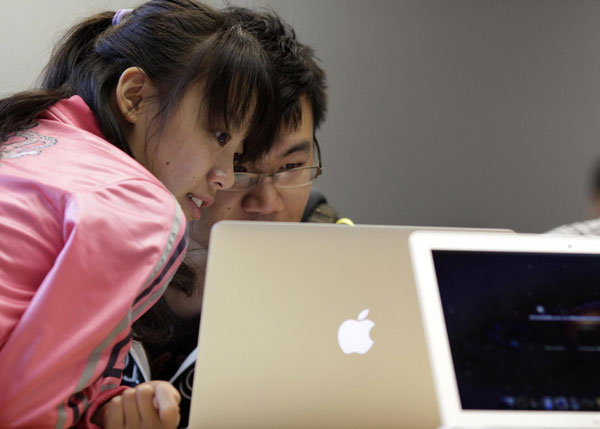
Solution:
(134, 87)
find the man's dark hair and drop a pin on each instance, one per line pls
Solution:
(595, 182)
(295, 64)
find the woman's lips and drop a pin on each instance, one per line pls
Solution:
(197, 204)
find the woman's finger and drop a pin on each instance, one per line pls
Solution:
(145, 397)
(167, 398)
(130, 409)
(113, 414)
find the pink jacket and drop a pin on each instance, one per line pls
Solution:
(89, 240)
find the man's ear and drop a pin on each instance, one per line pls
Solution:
(134, 87)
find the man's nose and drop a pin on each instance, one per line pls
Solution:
(264, 198)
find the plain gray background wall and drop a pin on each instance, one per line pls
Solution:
(463, 112)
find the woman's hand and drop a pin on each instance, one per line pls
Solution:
(151, 405)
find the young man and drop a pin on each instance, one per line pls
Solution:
(276, 188)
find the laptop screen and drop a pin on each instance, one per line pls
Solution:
(523, 328)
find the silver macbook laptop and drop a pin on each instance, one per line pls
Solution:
(311, 325)
(513, 328)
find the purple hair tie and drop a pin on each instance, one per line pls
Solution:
(119, 15)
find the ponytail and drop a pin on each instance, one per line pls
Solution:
(20, 110)
(75, 46)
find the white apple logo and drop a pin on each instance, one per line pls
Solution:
(353, 335)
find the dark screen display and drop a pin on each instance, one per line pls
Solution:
(524, 329)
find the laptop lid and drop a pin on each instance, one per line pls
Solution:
(311, 325)
(513, 327)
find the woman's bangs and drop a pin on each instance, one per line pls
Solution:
(241, 92)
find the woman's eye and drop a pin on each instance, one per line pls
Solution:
(222, 138)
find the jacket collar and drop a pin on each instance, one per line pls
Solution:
(74, 111)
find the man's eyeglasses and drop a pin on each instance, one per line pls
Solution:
(292, 178)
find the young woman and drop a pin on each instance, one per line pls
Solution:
(168, 333)
(136, 128)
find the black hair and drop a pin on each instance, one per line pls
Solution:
(595, 180)
(296, 64)
(159, 324)
(177, 43)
